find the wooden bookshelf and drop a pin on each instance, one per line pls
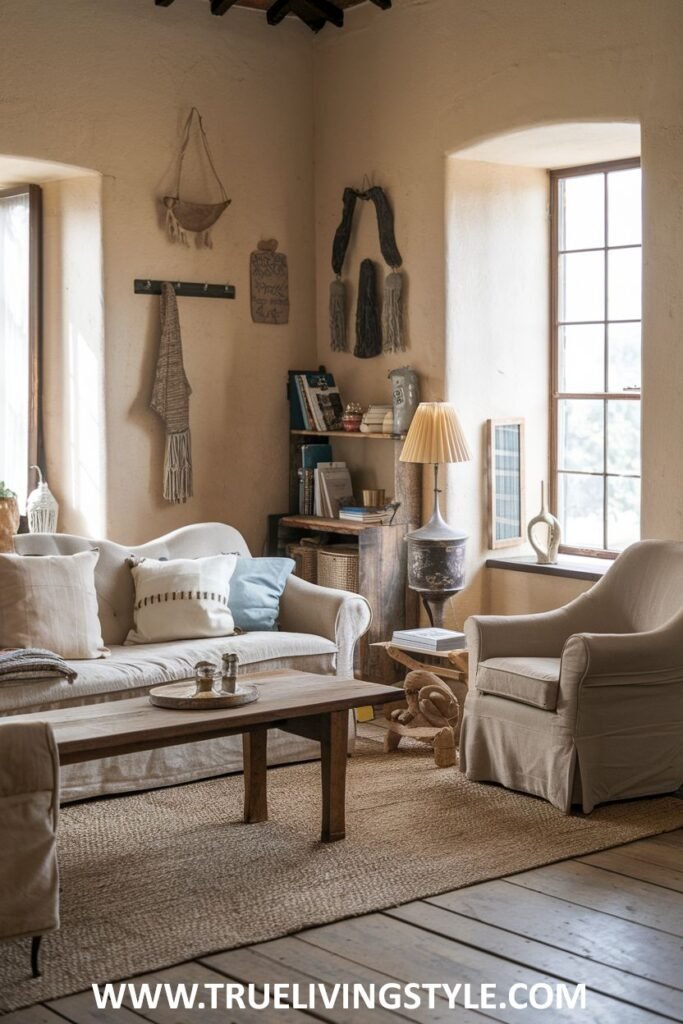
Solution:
(382, 550)
(326, 525)
(349, 435)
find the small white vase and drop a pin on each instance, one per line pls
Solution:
(545, 554)
(41, 507)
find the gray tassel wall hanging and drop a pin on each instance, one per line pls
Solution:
(391, 334)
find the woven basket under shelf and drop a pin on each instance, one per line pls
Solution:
(338, 567)
(306, 559)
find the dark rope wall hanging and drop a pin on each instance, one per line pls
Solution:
(370, 338)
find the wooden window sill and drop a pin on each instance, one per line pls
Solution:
(575, 567)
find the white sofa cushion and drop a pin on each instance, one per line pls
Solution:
(131, 670)
(185, 598)
(51, 603)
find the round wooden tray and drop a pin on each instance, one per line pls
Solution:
(181, 696)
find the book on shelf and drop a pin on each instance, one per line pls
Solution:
(332, 488)
(430, 638)
(315, 402)
(359, 514)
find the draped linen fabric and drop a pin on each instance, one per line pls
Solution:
(29, 809)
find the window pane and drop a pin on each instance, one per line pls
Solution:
(623, 512)
(624, 356)
(580, 434)
(582, 358)
(624, 276)
(580, 507)
(582, 286)
(14, 344)
(623, 437)
(624, 207)
(582, 212)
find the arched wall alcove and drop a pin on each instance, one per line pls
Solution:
(497, 354)
(72, 349)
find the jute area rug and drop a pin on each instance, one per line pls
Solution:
(156, 878)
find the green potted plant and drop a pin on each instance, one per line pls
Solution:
(9, 517)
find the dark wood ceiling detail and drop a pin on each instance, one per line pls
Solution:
(314, 13)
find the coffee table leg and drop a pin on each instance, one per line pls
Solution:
(333, 748)
(255, 791)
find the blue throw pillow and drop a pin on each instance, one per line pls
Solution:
(255, 590)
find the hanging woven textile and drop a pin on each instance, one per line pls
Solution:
(171, 400)
(182, 216)
(392, 337)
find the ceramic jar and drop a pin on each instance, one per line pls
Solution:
(406, 397)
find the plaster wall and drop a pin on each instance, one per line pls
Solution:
(397, 93)
(107, 86)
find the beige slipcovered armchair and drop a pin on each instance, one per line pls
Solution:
(29, 805)
(584, 704)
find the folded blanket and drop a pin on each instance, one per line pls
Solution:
(33, 663)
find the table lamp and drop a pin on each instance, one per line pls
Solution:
(436, 552)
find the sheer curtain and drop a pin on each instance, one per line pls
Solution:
(14, 343)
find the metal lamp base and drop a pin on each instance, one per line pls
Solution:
(436, 561)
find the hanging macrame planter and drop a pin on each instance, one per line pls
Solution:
(183, 217)
(370, 340)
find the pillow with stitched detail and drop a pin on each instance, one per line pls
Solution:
(255, 591)
(181, 599)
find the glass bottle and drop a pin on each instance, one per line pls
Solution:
(204, 676)
(229, 673)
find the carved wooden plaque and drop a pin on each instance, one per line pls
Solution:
(269, 285)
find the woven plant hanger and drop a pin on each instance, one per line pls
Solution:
(183, 217)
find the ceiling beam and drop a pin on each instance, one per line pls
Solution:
(328, 11)
(384, 4)
(278, 11)
(219, 7)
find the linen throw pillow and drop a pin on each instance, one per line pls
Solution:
(255, 591)
(181, 599)
(49, 601)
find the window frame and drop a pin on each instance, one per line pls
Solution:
(555, 394)
(35, 322)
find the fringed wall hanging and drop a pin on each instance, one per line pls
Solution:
(370, 338)
(269, 284)
(184, 217)
(171, 400)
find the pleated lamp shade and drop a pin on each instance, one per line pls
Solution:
(435, 436)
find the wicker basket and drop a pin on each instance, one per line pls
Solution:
(306, 559)
(338, 567)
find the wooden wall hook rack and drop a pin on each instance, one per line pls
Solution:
(189, 289)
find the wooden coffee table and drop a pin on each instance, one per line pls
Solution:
(308, 705)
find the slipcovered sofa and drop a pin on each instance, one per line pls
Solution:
(318, 632)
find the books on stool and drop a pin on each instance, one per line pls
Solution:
(429, 638)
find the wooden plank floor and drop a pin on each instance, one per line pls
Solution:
(611, 920)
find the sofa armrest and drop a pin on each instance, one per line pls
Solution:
(598, 658)
(340, 616)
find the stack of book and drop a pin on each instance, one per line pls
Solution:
(429, 639)
(379, 419)
(359, 514)
(319, 404)
(311, 456)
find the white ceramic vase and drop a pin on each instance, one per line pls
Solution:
(546, 554)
